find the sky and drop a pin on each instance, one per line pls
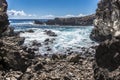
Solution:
(42, 9)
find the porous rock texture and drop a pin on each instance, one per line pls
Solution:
(107, 22)
(11, 54)
(107, 29)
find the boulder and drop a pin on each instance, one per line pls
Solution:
(30, 31)
(50, 33)
(107, 60)
(38, 22)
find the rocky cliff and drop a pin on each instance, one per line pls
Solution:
(3, 16)
(107, 22)
(73, 21)
(11, 54)
(107, 29)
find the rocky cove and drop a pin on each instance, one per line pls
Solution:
(18, 62)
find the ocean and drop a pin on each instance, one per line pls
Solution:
(68, 37)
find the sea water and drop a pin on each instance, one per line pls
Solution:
(68, 37)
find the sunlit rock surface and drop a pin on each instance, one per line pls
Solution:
(107, 22)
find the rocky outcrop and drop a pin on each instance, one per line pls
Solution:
(11, 54)
(73, 21)
(3, 17)
(107, 22)
(107, 29)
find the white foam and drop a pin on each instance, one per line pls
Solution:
(66, 39)
(23, 23)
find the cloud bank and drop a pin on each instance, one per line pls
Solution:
(20, 14)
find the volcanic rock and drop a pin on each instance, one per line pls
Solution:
(107, 22)
(73, 21)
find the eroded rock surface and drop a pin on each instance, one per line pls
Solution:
(107, 22)
(107, 65)
(107, 29)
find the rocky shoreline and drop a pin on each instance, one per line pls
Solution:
(73, 21)
(18, 62)
(100, 63)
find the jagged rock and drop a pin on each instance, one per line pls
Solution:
(50, 33)
(74, 58)
(36, 43)
(107, 65)
(107, 22)
(3, 16)
(11, 55)
(38, 22)
(107, 29)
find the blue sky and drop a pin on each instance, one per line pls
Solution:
(50, 8)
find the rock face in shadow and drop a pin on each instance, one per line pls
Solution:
(107, 22)
(3, 16)
(73, 21)
(107, 29)
(11, 54)
(107, 65)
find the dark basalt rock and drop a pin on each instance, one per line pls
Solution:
(11, 54)
(50, 33)
(107, 65)
(38, 22)
(30, 31)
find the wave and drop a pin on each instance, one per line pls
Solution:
(22, 23)
(72, 38)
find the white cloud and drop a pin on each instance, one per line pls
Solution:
(65, 16)
(69, 15)
(80, 15)
(48, 17)
(16, 13)
(20, 14)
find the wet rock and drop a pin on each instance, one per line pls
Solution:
(21, 41)
(36, 43)
(50, 33)
(49, 41)
(30, 31)
(38, 22)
